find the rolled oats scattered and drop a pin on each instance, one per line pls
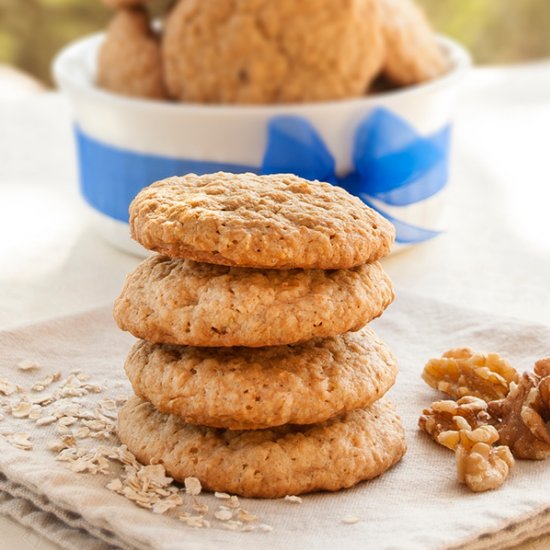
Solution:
(67, 420)
(20, 440)
(200, 507)
(232, 525)
(246, 516)
(193, 486)
(27, 365)
(6, 387)
(82, 432)
(172, 501)
(114, 485)
(77, 419)
(43, 400)
(234, 502)
(41, 385)
(194, 521)
(223, 514)
(22, 409)
(60, 444)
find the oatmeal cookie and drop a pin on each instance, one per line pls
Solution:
(175, 301)
(272, 463)
(260, 51)
(276, 221)
(243, 388)
(412, 52)
(129, 60)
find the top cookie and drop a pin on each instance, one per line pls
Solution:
(278, 221)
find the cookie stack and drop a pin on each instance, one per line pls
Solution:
(253, 372)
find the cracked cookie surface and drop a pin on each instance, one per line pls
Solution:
(176, 301)
(279, 221)
(271, 463)
(243, 388)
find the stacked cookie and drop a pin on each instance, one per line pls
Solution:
(253, 372)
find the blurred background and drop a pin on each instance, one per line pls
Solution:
(496, 31)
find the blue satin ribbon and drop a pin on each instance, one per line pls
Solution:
(393, 166)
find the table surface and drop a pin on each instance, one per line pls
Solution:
(495, 256)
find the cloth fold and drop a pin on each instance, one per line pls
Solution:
(416, 505)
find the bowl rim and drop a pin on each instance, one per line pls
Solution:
(66, 80)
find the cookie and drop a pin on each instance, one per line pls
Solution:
(260, 51)
(272, 463)
(413, 54)
(175, 301)
(277, 221)
(244, 389)
(129, 60)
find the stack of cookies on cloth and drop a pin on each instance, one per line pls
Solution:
(253, 372)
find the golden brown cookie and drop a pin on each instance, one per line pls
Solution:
(129, 60)
(277, 221)
(272, 463)
(261, 51)
(413, 54)
(244, 389)
(175, 301)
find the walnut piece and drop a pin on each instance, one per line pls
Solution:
(523, 417)
(444, 419)
(460, 372)
(481, 466)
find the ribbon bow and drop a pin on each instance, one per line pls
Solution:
(392, 164)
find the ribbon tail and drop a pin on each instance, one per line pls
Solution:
(405, 233)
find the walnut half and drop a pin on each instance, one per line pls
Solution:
(444, 419)
(481, 466)
(460, 372)
(523, 417)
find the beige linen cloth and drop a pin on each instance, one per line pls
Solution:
(416, 505)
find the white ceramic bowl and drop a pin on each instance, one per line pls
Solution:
(125, 143)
